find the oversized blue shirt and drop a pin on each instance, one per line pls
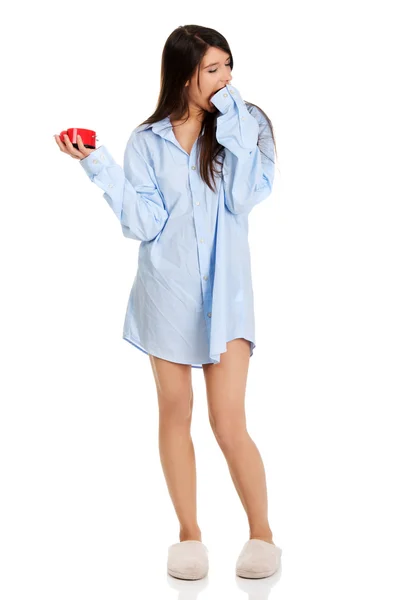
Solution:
(192, 292)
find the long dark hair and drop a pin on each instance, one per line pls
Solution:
(181, 57)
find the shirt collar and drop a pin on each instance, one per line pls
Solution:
(163, 128)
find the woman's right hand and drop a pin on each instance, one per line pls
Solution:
(66, 147)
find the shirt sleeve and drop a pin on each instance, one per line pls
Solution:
(130, 191)
(249, 163)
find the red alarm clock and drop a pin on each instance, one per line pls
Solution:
(88, 137)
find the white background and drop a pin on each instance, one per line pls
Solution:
(84, 508)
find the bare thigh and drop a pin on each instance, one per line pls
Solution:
(174, 386)
(226, 388)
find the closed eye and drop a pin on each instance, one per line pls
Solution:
(228, 65)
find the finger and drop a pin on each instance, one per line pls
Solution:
(82, 146)
(60, 144)
(72, 151)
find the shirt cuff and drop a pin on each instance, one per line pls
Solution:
(223, 99)
(94, 162)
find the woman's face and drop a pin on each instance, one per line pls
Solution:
(212, 78)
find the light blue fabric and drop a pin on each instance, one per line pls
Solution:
(192, 292)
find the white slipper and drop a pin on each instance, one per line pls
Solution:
(188, 560)
(258, 559)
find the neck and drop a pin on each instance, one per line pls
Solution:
(194, 116)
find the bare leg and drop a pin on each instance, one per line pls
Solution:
(175, 401)
(226, 387)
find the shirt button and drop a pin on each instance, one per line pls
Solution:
(197, 203)
(95, 160)
(110, 185)
(243, 118)
(225, 95)
(201, 240)
(205, 277)
(194, 168)
(208, 314)
(102, 156)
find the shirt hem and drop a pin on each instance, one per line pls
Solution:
(192, 364)
(137, 345)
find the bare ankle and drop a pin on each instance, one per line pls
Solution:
(262, 535)
(190, 534)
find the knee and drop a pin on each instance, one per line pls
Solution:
(229, 431)
(176, 407)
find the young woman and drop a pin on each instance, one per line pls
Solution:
(192, 173)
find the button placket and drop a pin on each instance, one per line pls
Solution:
(203, 255)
